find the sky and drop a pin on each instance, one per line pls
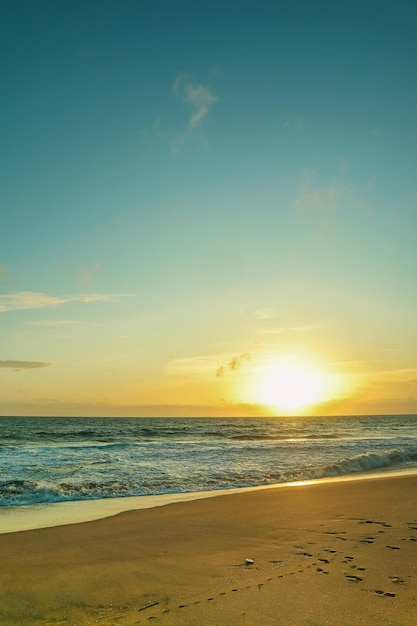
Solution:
(208, 208)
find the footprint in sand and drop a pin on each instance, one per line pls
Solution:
(387, 594)
(369, 521)
(355, 579)
(392, 547)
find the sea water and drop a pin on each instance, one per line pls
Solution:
(51, 460)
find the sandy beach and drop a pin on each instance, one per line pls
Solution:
(337, 553)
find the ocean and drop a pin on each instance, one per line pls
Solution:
(50, 460)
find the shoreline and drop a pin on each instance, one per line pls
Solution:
(22, 518)
(340, 552)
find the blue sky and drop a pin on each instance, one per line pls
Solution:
(185, 183)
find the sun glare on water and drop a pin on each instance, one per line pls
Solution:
(292, 387)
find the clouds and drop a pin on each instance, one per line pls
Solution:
(199, 98)
(191, 366)
(204, 366)
(325, 200)
(24, 365)
(266, 313)
(35, 300)
(234, 364)
(48, 323)
(324, 203)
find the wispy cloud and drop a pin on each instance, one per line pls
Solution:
(24, 365)
(198, 97)
(204, 366)
(36, 300)
(266, 313)
(325, 200)
(279, 330)
(234, 364)
(271, 331)
(191, 366)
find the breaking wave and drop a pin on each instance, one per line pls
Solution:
(151, 480)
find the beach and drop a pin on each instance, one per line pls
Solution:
(327, 553)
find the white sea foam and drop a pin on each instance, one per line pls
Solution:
(30, 517)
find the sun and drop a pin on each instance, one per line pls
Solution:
(291, 387)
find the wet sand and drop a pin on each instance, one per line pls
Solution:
(337, 553)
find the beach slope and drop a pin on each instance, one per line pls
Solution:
(335, 553)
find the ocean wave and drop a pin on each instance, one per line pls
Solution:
(73, 434)
(85, 447)
(286, 437)
(360, 463)
(373, 460)
(23, 492)
(259, 437)
(49, 460)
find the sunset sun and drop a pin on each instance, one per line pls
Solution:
(292, 387)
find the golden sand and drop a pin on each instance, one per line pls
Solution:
(338, 553)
